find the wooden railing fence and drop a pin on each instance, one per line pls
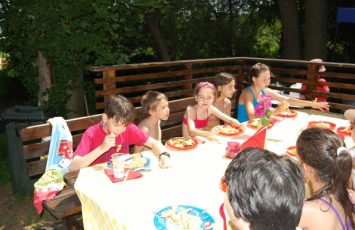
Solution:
(177, 78)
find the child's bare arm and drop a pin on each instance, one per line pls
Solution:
(160, 151)
(224, 117)
(193, 131)
(145, 130)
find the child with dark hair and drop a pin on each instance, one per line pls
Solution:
(196, 117)
(225, 85)
(113, 134)
(327, 167)
(264, 191)
(260, 76)
(350, 115)
(155, 107)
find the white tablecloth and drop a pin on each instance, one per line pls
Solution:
(193, 180)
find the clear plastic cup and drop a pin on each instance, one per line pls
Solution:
(117, 165)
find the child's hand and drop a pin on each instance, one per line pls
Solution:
(236, 124)
(109, 142)
(165, 162)
(215, 130)
(322, 106)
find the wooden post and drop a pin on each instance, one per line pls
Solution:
(188, 75)
(110, 84)
(312, 77)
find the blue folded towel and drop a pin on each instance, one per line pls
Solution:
(61, 146)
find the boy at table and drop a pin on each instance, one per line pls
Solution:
(155, 107)
(113, 134)
(264, 191)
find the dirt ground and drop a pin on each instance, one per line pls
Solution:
(18, 212)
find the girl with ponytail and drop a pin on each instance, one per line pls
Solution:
(327, 167)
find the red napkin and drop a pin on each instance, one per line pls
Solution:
(223, 215)
(257, 140)
(130, 176)
(39, 196)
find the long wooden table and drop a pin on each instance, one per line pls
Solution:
(193, 180)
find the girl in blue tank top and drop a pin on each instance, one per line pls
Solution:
(260, 77)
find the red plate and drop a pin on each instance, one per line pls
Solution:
(181, 143)
(291, 151)
(344, 131)
(289, 114)
(254, 124)
(322, 124)
(228, 130)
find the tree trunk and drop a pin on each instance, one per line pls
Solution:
(315, 34)
(153, 24)
(231, 28)
(77, 100)
(44, 78)
(291, 42)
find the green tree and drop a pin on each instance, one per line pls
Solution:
(71, 36)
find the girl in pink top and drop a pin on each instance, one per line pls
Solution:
(196, 117)
(115, 133)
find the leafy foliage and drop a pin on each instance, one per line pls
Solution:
(71, 35)
(75, 35)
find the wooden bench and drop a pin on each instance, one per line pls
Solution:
(33, 149)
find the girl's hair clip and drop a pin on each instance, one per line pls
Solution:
(341, 149)
(205, 84)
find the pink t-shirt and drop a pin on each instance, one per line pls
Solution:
(95, 135)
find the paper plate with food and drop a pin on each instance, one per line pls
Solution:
(322, 124)
(291, 151)
(344, 131)
(254, 123)
(135, 161)
(178, 217)
(228, 130)
(181, 143)
(287, 114)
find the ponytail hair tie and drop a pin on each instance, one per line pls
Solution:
(341, 149)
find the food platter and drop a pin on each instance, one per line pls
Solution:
(291, 151)
(178, 217)
(344, 131)
(322, 124)
(287, 114)
(135, 161)
(228, 130)
(254, 123)
(181, 143)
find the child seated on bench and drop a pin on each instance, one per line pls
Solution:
(225, 85)
(196, 117)
(155, 107)
(113, 134)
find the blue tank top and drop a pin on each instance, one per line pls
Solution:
(242, 113)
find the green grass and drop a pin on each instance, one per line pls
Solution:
(4, 164)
